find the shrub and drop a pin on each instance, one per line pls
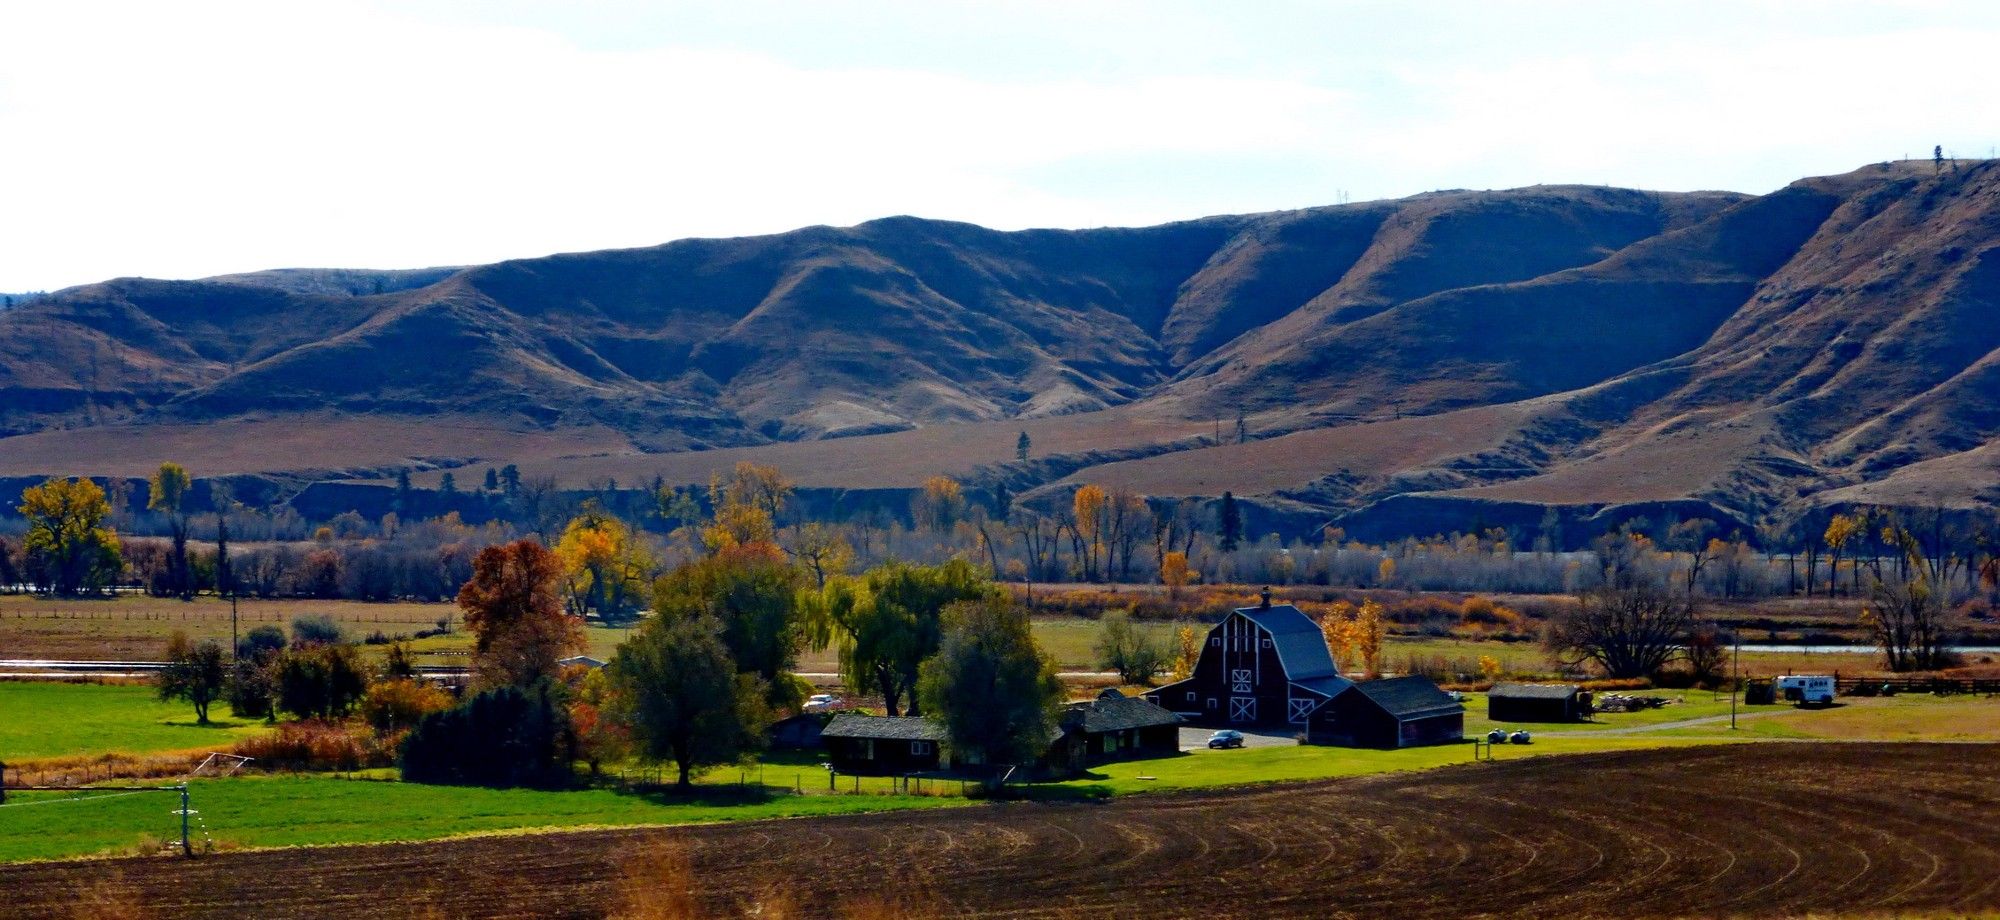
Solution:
(502, 737)
(259, 641)
(316, 629)
(315, 745)
(398, 704)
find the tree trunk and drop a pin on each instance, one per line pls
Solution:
(686, 781)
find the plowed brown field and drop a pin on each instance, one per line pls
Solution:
(1763, 829)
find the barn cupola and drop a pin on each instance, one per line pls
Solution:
(1266, 604)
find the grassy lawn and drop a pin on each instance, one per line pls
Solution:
(1910, 717)
(1207, 769)
(61, 720)
(1689, 704)
(274, 811)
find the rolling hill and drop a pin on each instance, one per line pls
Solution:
(1401, 366)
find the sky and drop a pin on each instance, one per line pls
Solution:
(186, 139)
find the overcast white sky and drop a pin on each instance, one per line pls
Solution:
(194, 138)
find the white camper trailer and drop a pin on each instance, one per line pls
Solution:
(1806, 689)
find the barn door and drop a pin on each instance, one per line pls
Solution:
(1242, 709)
(1302, 710)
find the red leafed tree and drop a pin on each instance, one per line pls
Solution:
(513, 605)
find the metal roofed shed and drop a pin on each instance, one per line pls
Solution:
(1510, 702)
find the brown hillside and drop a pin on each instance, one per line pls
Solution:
(1554, 345)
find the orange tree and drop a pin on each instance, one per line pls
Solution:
(513, 605)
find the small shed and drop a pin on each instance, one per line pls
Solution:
(1395, 712)
(1537, 703)
(882, 744)
(1113, 727)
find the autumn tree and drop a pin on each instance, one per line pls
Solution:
(194, 672)
(604, 562)
(1089, 508)
(1840, 532)
(939, 504)
(1369, 631)
(753, 593)
(1174, 573)
(1187, 652)
(821, 550)
(1342, 635)
(1124, 647)
(66, 538)
(167, 494)
(746, 506)
(513, 606)
(884, 623)
(995, 690)
(681, 696)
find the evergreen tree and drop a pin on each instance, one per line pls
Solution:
(1231, 531)
(492, 480)
(448, 485)
(1021, 447)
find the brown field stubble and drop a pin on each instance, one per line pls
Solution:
(1766, 830)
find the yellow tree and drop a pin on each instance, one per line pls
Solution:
(1839, 532)
(1369, 633)
(1338, 624)
(747, 505)
(1090, 505)
(821, 550)
(66, 536)
(1174, 573)
(941, 504)
(167, 492)
(605, 565)
(1187, 652)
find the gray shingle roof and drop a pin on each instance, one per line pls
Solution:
(1409, 697)
(901, 728)
(1300, 643)
(1533, 691)
(1106, 714)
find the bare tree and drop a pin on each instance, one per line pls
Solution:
(1629, 628)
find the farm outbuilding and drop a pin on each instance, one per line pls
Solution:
(1113, 727)
(882, 744)
(1537, 703)
(1261, 667)
(1393, 713)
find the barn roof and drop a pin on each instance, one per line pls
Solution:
(1300, 643)
(883, 728)
(1409, 697)
(1109, 714)
(1533, 691)
(1329, 686)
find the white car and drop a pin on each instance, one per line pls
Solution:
(820, 701)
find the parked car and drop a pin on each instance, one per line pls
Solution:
(819, 701)
(1226, 738)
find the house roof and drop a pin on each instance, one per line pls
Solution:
(883, 728)
(1533, 691)
(1409, 697)
(1109, 714)
(1300, 643)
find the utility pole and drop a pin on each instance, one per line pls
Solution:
(232, 626)
(1736, 686)
(187, 849)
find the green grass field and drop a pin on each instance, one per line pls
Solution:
(277, 811)
(64, 720)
